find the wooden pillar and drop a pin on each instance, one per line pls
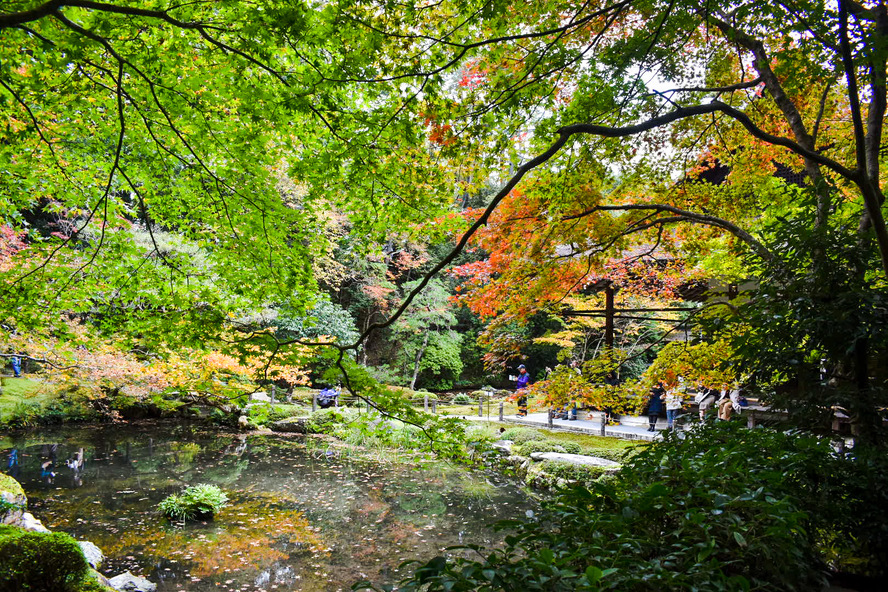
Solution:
(481, 407)
(314, 402)
(551, 413)
(434, 406)
(501, 411)
(425, 406)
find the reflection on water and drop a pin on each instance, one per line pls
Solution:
(304, 514)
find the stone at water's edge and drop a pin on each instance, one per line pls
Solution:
(28, 522)
(575, 459)
(93, 554)
(292, 424)
(504, 446)
(127, 582)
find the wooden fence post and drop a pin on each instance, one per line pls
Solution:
(314, 402)
(501, 410)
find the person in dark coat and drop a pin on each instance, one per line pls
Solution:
(655, 406)
(520, 389)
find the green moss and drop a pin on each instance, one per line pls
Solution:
(590, 441)
(522, 435)
(20, 387)
(545, 446)
(323, 421)
(40, 561)
(9, 484)
(613, 454)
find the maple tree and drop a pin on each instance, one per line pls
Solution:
(585, 114)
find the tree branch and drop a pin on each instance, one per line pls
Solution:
(682, 215)
(713, 107)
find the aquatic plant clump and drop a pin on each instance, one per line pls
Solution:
(198, 502)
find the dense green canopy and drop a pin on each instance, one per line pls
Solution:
(175, 165)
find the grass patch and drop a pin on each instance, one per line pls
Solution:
(23, 397)
(20, 387)
(590, 441)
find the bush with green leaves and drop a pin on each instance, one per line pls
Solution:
(462, 399)
(198, 502)
(530, 446)
(720, 508)
(583, 474)
(324, 421)
(40, 562)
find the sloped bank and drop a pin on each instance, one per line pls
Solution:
(33, 558)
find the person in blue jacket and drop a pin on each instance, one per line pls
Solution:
(520, 386)
(655, 406)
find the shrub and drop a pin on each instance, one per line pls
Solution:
(462, 399)
(522, 435)
(583, 474)
(722, 508)
(546, 446)
(323, 421)
(421, 395)
(40, 561)
(198, 502)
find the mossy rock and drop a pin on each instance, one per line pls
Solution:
(571, 473)
(530, 446)
(12, 486)
(41, 561)
(291, 424)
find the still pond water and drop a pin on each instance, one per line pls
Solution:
(303, 514)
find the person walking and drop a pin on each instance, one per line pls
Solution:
(674, 402)
(655, 406)
(521, 385)
(16, 366)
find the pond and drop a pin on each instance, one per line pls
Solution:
(305, 514)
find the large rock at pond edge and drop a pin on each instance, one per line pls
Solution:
(127, 582)
(28, 522)
(291, 424)
(93, 554)
(504, 446)
(575, 459)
